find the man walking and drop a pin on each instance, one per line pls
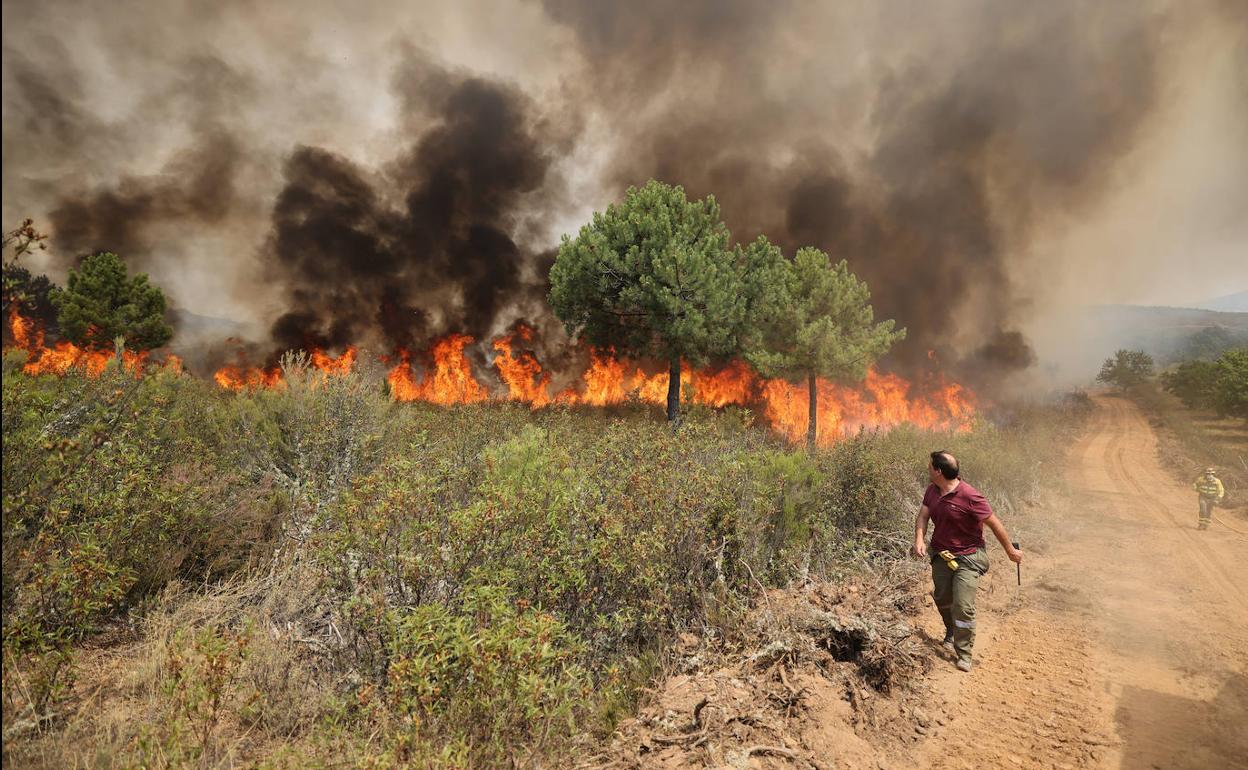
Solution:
(959, 514)
(1210, 491)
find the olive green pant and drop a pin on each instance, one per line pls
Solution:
(1206, 509)
(954, 592)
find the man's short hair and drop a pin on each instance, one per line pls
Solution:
(946, 463)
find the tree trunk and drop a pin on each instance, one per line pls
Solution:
(812, 432)
(673, 391)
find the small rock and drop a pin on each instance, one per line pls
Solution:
(920, 716)
(920, 729)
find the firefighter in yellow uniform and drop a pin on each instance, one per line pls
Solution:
(1211, 493)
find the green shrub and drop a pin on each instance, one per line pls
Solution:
(1231, 384)
(1194, 382)
(492, 672)
(1126, 369)
(112, 486)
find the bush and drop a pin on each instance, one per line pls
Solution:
(112, 486)
(1221, 385)
(200, 684)
(1194, 382)
(495, 674)
(1126, 369)
(1231, 384)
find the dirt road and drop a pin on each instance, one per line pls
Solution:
(1128, 645)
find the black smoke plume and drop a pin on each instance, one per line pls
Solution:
(197, 185)
(352, 262)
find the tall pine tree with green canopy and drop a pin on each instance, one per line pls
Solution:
(101, 302)
(810, 318)
(653, 277)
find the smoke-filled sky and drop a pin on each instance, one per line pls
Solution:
(382, 172)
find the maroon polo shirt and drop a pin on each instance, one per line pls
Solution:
(957, 518)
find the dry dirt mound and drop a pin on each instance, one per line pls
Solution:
(827, 676)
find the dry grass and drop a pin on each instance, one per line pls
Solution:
(142, 695)
(1190, 440)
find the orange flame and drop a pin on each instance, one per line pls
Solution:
(238, 377)
(242, 377)
(886, 400)
(25, 334)
(329, 365)
(603, 380)
(734, 384)
(450, 382)
(883, 400)
(64, 356)
(520, 370)
(403, 385)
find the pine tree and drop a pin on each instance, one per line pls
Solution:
(653, 277)
(810, 318)
(100, 302)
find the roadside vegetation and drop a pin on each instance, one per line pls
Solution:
(317, 574)
(1199, 407)
(1192, 439)
(1220, 385)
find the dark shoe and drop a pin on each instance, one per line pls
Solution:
(964, 664)
(948, 642)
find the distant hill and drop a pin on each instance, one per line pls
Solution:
(1230, 303)
(1169, 333)
(1072, 347)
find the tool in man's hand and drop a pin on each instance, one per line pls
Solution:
(1019, 566)
(950, 559)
